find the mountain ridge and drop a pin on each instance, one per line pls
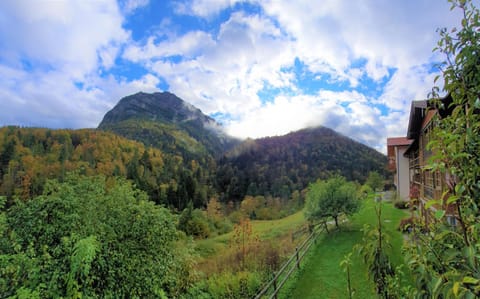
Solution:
(279, 165)
(276, 166)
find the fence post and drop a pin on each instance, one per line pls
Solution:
(275, 287)
(298, 260)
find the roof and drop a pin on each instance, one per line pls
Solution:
(396, 141)
(417, 112)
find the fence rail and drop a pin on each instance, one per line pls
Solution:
(288, 267)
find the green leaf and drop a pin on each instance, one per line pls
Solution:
(470, 280)
(459, 189)
(437, 285)
(452, 199)
(431, 202)
(439, 214)
(456, 286)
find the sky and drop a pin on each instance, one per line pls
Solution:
(261, 68)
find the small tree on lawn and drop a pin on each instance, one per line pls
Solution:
(375, 181)
(374, 248)
(331, 198)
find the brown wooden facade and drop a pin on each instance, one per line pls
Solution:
(425, 184)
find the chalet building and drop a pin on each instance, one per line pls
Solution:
(399, 165)
(425, 184)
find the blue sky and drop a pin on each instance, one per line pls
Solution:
(261, 68)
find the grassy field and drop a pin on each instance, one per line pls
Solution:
(264, 229)
(322, 276)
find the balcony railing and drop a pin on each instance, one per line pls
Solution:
(414, 162)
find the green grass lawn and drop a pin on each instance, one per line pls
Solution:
(322, 276)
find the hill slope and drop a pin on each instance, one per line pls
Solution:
(29, 156)
(280, 165)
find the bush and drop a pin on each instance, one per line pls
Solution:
(364, 191)
(406, 224)
(237, 216)
(86, 238)
(224, 226)
(401, 204)
(234, 285)
(194, 223)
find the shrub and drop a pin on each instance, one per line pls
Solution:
(401, 204)
(88, 238)
(234, 285)
(406, 224)
(364, 191)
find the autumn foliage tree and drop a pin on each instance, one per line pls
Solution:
(30, 156)
(244, 241)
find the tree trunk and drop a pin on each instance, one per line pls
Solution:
(326, 226)
(336, 221)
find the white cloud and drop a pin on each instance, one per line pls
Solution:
(53, 54)
(407, 85)
(48, 100)
(221, 73)
(331, 36)
(203, 8)
(131, 5)
(345, 112)
(66, 36)
(187, 46)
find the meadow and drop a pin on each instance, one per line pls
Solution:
(322, 276)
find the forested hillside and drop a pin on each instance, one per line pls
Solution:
(30, 156)
(280, 165)
(174, 160)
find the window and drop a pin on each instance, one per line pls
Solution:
(425, 139)
(451, 220)
(429, 186)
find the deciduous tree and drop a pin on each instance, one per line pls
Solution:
(331, 198)
(87, 238)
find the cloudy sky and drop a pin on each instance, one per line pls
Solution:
(261, 68)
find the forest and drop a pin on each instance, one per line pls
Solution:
(279, 166)
(30, 156)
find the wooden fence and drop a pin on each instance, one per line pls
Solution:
(272, 288)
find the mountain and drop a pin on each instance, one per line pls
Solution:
(279, 166)
(165, 121)
(276, 166)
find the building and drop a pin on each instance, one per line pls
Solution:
(409, 156)
(426, 184)
(399, 165)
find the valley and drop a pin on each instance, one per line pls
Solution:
(237, 206)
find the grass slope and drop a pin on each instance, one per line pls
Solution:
(322, 276)
(264, 229)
